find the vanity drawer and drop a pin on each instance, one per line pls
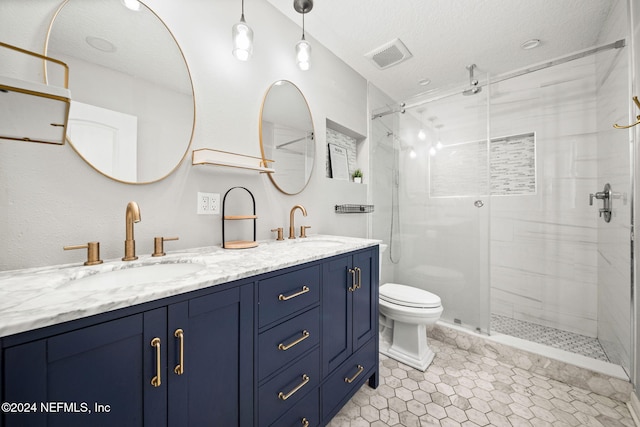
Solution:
(282, 392)
(286, 342)
(287, 293)
(348, 377)
(304, 413)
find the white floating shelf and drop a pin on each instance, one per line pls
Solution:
(207, 156)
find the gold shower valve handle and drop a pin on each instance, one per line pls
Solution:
(158, 245)
(93, 252)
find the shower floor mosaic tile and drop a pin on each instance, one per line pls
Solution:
(467, 390)
(563, 340)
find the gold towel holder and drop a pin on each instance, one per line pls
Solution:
(635, 100)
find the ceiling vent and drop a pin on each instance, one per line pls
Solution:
(389, 54)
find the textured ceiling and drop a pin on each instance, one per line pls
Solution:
(446, 35)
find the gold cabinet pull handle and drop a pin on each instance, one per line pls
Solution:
(353, 378)
(353, 280)
(304, 290)
(157, 380)
(282, 396)
(305, 422)
(179, 333)
(359, 273)
(285, 347)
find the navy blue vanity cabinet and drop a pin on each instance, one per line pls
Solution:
(210, 355)
(350, 326)
(101, 375)
(288, 353)
(187, 363)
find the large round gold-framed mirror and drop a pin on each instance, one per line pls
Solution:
(132, 112)
(287, 136)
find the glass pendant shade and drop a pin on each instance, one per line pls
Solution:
(132, 4)
(303, 54)
(242, 36)
(422, 135)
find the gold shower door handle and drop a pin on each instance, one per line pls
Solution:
(635, 100)
(157, 380)
(179, 333)
(305, 380)
(304, 290)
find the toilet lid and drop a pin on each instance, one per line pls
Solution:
(408, 296)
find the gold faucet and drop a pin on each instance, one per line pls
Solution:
(132, 215)
(292, 232)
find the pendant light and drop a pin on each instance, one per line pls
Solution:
(242, 36)
(303, 48)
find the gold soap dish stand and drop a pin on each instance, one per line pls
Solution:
(239, 244)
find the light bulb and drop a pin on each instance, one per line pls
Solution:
(412, 154)
(439, 145)
(242, 36)
(432, 151)
(422, 135)
(303, 54)
(132, 4)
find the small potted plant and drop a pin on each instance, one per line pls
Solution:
(357, 176)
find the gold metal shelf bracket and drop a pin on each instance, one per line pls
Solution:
(635, 100)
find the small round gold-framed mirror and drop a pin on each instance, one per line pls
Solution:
(132, 112)
(287, 136)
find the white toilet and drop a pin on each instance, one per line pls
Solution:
(404, 313)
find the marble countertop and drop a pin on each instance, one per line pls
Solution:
(38, 297)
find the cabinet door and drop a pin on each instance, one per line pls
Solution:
(216, 385)
(98, 376)
(365, 315)
(336, 313)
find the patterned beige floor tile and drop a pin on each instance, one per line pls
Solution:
(465, 389)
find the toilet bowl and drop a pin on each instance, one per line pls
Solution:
(405, 312)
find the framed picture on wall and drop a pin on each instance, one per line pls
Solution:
(339, 163)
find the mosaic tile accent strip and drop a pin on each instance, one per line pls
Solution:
(462, 388)
(556, 338)
(513, 165)
(346, 142)
(460, 170)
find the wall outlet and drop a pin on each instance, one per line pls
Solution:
(208, 203)
(214, 203)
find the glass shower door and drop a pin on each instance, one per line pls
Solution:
(443, 205)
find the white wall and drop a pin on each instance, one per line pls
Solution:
(614, 252)
(50, 198)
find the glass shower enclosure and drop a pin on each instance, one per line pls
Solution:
(484, 199)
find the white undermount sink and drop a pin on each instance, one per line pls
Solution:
(319, 243)
(139, 274)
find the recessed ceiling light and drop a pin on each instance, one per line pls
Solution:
(100, 44)
(530, 44)
(424, 82)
